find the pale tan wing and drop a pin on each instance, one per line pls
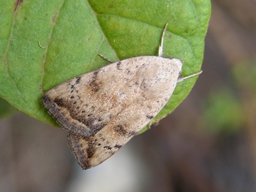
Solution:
(144, 96)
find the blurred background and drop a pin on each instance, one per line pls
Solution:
(208, 144)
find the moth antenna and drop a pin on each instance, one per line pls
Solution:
(161, 47)
(189, 76)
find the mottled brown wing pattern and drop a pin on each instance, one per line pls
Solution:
(102, 110)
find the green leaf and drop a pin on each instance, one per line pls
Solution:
(72, 33)
(6, 109)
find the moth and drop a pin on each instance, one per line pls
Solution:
(103, 109)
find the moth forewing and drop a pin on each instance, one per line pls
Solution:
(142, 97)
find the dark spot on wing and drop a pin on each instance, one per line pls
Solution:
(107, 147)
(94, 86)
(45, 99)
(59, 102)
(132, 133)
(92, 145)
(95, 73)
(120, 130)
(149, 116)
(78, 80)
(118, 65)
(90, 150)
(118, 146)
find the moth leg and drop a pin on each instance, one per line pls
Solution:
(105, 58)
(42, 47)
(161, 46)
